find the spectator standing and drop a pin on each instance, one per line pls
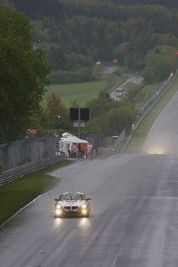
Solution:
(88, 149)
(91, 151)
(74, 150)
(79, 150)
(82, 149)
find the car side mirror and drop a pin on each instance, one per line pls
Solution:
(88, 199)
(56, 199)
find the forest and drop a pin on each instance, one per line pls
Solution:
(76, 34)
(72, 36)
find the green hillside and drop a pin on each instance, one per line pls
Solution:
(77, 34)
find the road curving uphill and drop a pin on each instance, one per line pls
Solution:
(138, 137)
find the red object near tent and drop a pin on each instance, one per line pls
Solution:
(33, 132)
(175, 52)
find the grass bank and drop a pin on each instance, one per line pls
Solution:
(17, 194)
(80, 91)
(138, 138)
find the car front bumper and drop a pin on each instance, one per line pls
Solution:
(71, 212)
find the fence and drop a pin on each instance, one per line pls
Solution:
(29, 150)
(154, 96)
(24, 151)
(27, 168)
(147, 105)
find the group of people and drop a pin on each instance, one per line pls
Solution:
(81, 150)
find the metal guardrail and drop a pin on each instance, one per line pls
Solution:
(163, 91)
(20, 171)
(27, 150)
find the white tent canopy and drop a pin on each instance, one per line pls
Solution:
(66, 135)
(67, 140)
(73, 139)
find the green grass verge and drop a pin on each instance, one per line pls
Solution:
(138, 138)
(80, 91)
(148, 90)
(17, 194)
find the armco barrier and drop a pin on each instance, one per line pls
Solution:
(150, 108)
(15, 173)
(27, 150)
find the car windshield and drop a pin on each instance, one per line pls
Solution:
(71, 197)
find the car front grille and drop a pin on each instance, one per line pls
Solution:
(68, 207)
(75, 207)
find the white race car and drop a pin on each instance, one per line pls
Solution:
(72, 204)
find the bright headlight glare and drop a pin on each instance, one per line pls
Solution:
(58, 212)
(58, 206)
(84, 211)
(84, 206)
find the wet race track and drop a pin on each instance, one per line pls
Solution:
(134, 217)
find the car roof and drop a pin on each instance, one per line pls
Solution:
(78, 193)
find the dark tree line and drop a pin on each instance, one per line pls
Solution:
(76, 34)
(32, 8)
(171, 4)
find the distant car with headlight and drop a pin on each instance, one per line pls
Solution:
(72, 204)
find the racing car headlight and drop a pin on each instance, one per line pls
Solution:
(58, 206)
(58, 212)
(84, 211)
(84, 206)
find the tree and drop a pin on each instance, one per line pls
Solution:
(159, 64)
(110, 80)
(120, 52)
(23, 74)
(56, 110)
(40, 120)
(55, 57)
(134, 95)
(100, 105)
(97, 72)
(108, 116)
(120, 118)
(163, 68)
(148, 75)
(93, 126)
(75, 103)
